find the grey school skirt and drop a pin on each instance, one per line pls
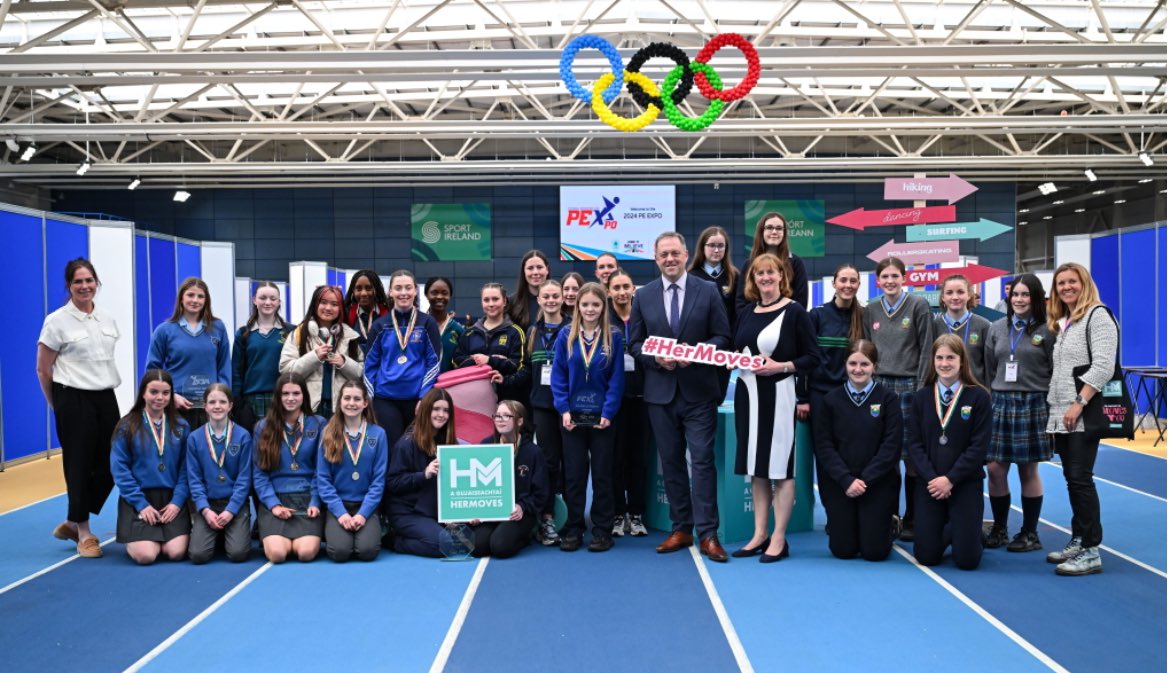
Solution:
(133, 529)
(298, 525)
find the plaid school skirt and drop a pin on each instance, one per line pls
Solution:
(903, 387)
(1018, 422)
(259, 402)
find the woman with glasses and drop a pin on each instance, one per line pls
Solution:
(772, 237)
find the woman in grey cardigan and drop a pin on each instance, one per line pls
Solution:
(1074, 318)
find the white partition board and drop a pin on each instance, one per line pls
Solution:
(303, 279)
(1075, 248)
(284, 307)
(218, 261)
(111, 249)
(243, 300)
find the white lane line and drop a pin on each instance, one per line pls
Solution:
(32, 503)
(48, 569)
(741, 658)
(1111, 483)
(186, 628)
(440, 661)
(987, 616)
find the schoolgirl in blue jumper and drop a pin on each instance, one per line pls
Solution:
(412, 493)
(950, 435)
(351, 477)
(402, 361)
(219, 475)
(587, 382)
(365, 302)
(631, 428)
(284, 474)
(256, 353)
(192, 346)
(495, 340)
(503, 539)
(147, 459)
(323, 350)
(438, 290)
(542, 335)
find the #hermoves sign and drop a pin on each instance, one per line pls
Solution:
(806, 224)
(622, 220)
(450, 232)
(476, 481)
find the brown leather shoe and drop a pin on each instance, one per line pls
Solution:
(89, 548)
(711, 548)
(676, 541)
(64, 531)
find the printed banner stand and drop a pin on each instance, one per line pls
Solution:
(476, 481)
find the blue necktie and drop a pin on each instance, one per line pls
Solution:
(674, 308)
(857, 397)
(946, 397)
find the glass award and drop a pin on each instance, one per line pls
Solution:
(585, 408)
(456, 541)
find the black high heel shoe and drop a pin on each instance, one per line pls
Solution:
(769, 558)
(745, 552)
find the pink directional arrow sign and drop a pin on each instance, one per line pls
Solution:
(975, 273)
(862, 219)
(936, 252)
(950, 189)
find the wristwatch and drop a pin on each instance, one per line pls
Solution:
(1080, 400)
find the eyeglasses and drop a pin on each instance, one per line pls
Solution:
(716, 246)
(502, 417)
(773, 227)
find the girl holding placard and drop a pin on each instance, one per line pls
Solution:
(413, 499)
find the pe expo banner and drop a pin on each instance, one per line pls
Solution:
(450, 232)
(476, 481)
(621, 220)
(806, 224)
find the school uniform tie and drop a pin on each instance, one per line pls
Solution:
(857, 397)
(674, 308)
(946, 397)
(1020, 325)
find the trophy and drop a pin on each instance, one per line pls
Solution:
(456, 541)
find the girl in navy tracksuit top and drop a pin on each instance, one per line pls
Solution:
(503, 539)
(219, 475)
(192, 346)
(631, 431)
(256, 353)
(541, 338)
(351, 477)
(402, 361)
(284, 474)
(147, 461)
(412, 494)
(365, 302)
(950, 434)
(496, 341)
(587, 382)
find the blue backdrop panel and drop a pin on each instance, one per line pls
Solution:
(1160, 322)
(64, 241)
(1105, 271)
(190, 262)
(162, 280)
(142, 322)
(22, 279)
(1139, 298)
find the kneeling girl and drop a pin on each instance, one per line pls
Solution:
(219, 474)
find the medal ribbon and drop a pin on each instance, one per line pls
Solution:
(364, 326)
(211, 442)
(587, 352)
(298, 432)
(944, 419)
(355, 456)
(160, 439)
(402, 338)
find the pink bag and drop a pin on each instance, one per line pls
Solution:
(475, 401)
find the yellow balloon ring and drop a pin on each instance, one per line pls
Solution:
(623, 123)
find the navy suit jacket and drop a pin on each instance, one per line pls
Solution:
(702, 320)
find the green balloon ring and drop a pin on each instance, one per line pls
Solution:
(677, 118)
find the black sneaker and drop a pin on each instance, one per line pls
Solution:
(570, 542)
(601, 543)
(995, 538)
(895, 527)
(1025, 540)
(907, 534)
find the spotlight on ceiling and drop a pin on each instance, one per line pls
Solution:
(1092, 177)
(1047, 188)
(1146, 159)
(134, 184)
(28, 153)
(83, 168)
(182, 195)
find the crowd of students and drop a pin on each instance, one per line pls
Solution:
(329, 428)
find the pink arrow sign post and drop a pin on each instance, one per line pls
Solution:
(950, 189)
(975, 273)
(863, 219)
(936, 252)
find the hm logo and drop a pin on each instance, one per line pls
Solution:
(481, 475)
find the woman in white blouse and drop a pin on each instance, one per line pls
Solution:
(76, 369)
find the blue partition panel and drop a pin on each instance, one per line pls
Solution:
(1160, 277)
(163, 285)
(189, 262)
(1105, 270)
(1140, 303)
(22, 278)
(143, 325)
(64, 241)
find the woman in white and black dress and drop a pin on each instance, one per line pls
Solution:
(765, 398)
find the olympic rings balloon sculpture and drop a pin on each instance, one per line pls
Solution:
(685, 75)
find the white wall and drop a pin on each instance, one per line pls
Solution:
(111, 249)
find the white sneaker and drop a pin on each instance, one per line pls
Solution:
(548, 532)
(637, 527)
(621, 524)
(1070, 550)
(1088, 562)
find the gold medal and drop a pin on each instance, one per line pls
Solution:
(403, 337)
(355, 456)
(296, 465)
(293, 447)
(221, 478)
(945, 418)
(401, 359)
(160, 438)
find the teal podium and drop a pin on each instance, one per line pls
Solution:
(735, 490)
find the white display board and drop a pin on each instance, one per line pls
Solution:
(622, 220)
(218, 263)
(1075, 248)
(111, 249)
(243, 300)
(303, 279)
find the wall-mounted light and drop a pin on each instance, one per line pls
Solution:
(83, 168)
(1047, 188)
(1092, 177)
(134, 184)
(182, 195)
(1146, 159)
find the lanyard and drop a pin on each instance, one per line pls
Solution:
(1015, 340)
(356, 455)
(548, 334)
(212, 441)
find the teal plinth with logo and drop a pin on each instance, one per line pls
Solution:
(734, 491)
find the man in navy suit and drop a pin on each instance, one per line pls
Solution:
(682, 398)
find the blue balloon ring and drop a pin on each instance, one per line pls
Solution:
(608, 50)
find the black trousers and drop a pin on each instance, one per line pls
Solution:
(394, 416)
(502, 539)
(548, 438)
(1078, 455)
(632, 436)
(861, 525)
(85, 422)
(589, 450)
(956, 521)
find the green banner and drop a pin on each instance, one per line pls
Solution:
(476, 481)
(806, 224)
(450, 232)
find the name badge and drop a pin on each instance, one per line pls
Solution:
(1011, 372)
(629, 363)
(546, 375)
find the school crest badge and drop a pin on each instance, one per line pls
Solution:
(905, 323)
(973, 339)
(234, 449)
(523, 470)
(875, 410)
(503, 340)
(965, 412)
(1037, 339)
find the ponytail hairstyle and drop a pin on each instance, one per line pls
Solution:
(254, 316)
(954, 343)
(71, 268)
(272, 435)
(423, 433)
(603, 330)
(335, 429)
(856, 313)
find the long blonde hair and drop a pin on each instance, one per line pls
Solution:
(1089, 298)
(603, 333)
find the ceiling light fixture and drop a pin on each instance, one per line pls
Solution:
(1142, 182)
(1090, 175)
(1047, 188)
(28, 153)
(83, 168)
(182, 195)
(134, 184)
(1119, 201)
(1079, 210)
(1099, 192)
(1048, 217)
(1146, 159)
(1058, 202)
(1025, 210)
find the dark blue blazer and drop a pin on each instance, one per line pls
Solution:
(703, 320)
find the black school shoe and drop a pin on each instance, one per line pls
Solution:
(601, 543)
(570, 542)
(995, 538)
(1025, 540)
